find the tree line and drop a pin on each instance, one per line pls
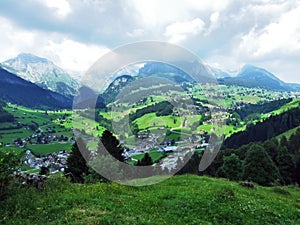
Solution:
(267, 129)
(5, 116)
(266, 163)
(259, 108)
(163, 108)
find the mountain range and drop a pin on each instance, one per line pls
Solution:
(43, 73)
(33, 81)
(252, 77)
(16, 90)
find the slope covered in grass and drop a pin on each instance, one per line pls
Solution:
(288, 133)
(179, 200)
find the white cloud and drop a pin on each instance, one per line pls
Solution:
(136, 33)
(179, 31)
(66, 53)
(157, 13)
(227, 33)
(14, 41)
(62, 7)
(212, 5)
(279, 37)
(72, 55)
(214, 22)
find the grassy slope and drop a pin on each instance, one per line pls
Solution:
(293, 104)
(288, 133)
(179, 200)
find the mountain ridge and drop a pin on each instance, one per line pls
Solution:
(19, 91)
(42, 72)
(252, 76)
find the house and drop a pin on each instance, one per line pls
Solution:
(142, 135)
(167, 142)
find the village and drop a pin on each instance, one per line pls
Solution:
(171, 150)
(55, 162)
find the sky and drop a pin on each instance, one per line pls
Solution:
(223, 33)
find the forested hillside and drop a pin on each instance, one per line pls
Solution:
(268, 128)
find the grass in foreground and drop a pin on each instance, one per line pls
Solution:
(179, 200)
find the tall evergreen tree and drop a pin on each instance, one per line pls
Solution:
(103, 169)
(286, 166)
(232, 167)
(271, 146)
(284, 142)
(297, 172)
(191, 164)
(112, 145)
(145, 161)
(76, 164)
(259, 167)
(294, 142)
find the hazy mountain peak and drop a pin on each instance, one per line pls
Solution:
(30, 58)
(218, 73)
(254, 72)
(42, 72)
(253, 77)
(19, 91)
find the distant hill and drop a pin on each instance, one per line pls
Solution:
(114, 88)
(218, 73)
(251, 76)
(19, 91)
(164, 70)
(87, 98)
(42, 72)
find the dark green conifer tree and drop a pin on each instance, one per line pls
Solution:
(259, 167)
(112, 146)
(76, 164)
(145, 161)
(286, 166)
(232, 167)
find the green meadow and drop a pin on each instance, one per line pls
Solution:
(185, 199)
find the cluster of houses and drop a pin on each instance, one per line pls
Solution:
(41, 137)
(55, 161)
(148, 140)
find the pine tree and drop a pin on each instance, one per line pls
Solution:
(189, 164)
(76, 163)
(44, 170)
(232, 167)
(103, 169)
(294, 142)
(271, 147)
(145, 161)
(284, 142)
(297, 172)
(259, 167)
(112, 145)
(286, 166)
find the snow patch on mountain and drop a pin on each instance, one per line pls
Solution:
(42, 72)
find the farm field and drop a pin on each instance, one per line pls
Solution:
(62, 123)
(57, 121)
